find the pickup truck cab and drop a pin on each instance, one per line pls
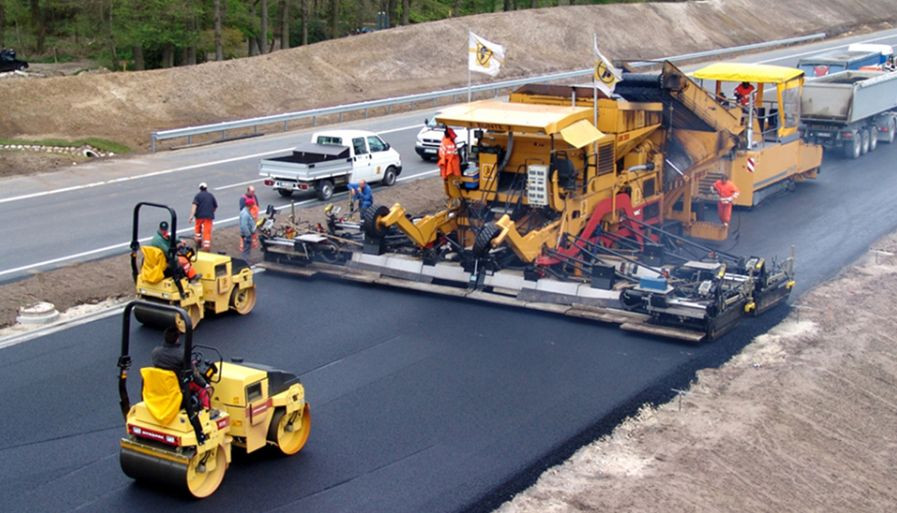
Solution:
(430, 137)
(333, 158)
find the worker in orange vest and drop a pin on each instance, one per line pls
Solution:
(743, 93)
(728, 193)
(449, 161)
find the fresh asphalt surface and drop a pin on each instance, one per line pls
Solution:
(419, 403)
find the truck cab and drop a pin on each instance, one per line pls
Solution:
(835, 62)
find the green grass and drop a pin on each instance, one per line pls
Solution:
(96, 142)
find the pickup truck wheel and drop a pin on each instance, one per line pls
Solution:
(854, 148)
(389, 176)
(286, 193)
(370, 221)
(324, 190)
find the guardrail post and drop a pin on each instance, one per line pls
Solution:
(365, 113)
(285, 125)
(153, 143)
(189, 139)
(339, 117)
(314, 121)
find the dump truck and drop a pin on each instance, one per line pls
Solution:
(854, 58)
(850, 111)
(174, 441)
(561, 214)
(332, 159)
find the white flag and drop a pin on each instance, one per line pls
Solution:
(606, 75)
(483, 56)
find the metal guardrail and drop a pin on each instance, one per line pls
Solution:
(285, 118)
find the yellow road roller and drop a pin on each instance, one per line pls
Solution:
(173, 440)
(164, 272)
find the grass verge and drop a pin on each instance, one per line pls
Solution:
(98, 143)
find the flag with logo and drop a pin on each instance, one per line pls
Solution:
(606, 75)
(484, 56)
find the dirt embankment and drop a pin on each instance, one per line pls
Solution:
(804, 419)
(125, 107)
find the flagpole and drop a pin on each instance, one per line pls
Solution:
(595, 88)
(468, 66)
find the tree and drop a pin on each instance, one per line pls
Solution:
(284, 24)
(334, 10)
(2, 23)
(303, 7)
(219, 51)
(39, 24)
(406, 11)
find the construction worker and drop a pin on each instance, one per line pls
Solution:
(449, 161)
(170, 356)
(247, 228)
(254, 211)
(728, 193)
(162, 240)
(362, 193)
(203, 211)
(743, 93)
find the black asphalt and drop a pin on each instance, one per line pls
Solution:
(419, 403)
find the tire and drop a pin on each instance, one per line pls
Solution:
(370, 218)
(290, 437)
(854, 149)
(286, 193)
(892, 131)
(864, 135)
(873, 138)
(482, 244)
(324, 190)
(389, 176)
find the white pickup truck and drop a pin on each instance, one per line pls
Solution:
(333, 158)
(430, 137)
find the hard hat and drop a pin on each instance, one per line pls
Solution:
(203, 186)
(163, 226)
(250, 202)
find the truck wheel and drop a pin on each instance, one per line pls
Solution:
(853, 148)
(389, 176)
(873, 138)
(324, 190)
(370, 221)
(864, 135)
(483, 243)
(286, 193)
(892, 130)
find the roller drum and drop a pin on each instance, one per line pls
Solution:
(151, 469)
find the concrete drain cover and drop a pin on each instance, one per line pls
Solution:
(37, 313)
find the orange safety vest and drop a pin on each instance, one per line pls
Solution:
(727, 190)
(449, 162)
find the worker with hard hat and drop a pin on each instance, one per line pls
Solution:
(203, 211)
(728, 192)
(449, 162)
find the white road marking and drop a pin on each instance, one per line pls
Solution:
(231, 186)
(183, 231)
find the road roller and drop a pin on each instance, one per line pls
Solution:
(163, 275)
(172, 440)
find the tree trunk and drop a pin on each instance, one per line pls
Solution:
(456, 5)
(284, 24)
(406, 10)
(139, 63)
(392, 12)
(167, 55)
(219, 50)
(334, 9)
(39, 20)
(2, 24)
(304, 12)
(263, 30)
(506, 6)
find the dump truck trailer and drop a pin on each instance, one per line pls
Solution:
(850, 111)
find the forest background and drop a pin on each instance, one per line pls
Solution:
(146, 34)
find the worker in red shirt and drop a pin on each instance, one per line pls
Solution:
(449, 161)
(728, 193)
(743, 93)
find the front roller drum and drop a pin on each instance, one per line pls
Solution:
(199, 477)
(242, 301)
(288, 431)
(163, 319)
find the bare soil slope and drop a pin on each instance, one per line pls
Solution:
(804, 419)
(126, 106)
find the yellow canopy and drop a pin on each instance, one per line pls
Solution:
(748, 72)
(517, 117)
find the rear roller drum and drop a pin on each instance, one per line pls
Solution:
(289, 432)
(195, 313)
(162, 319)
(242, 301)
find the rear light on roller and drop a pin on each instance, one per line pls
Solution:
(149, 434)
